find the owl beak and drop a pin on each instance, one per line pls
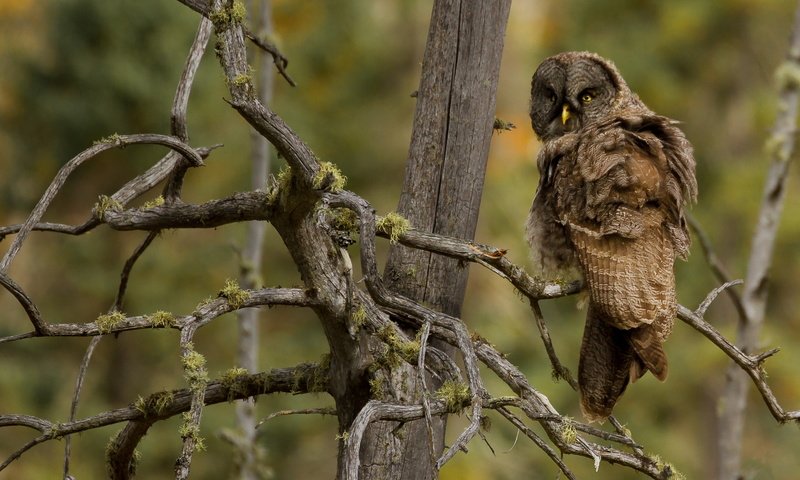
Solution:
(565, 113)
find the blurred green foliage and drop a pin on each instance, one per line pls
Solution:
(73, 71)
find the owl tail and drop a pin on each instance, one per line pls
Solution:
(606, 363)
(650, 353)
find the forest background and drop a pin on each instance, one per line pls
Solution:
(73, 71)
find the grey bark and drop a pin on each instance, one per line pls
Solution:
(441, 194)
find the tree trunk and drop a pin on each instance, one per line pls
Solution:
(450, 141)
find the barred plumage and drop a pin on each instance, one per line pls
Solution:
(614, 181)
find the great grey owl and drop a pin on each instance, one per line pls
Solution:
(614, 180)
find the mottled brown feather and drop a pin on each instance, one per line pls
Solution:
(612, 190)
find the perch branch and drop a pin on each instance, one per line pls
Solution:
(533, 288)
(535, 405)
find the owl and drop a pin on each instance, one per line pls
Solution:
(615, 178)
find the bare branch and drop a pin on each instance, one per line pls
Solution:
(281, 62)
(130, 191)
(180, 104)
(76, 396)
(205, 313)
(537, 440)
(701, 310)
(559, 370)
(749, 364)
(717, 268)
(232, 54)
(491, 257)
(126, 269)
(304, 411)
(303, 378)
(239, 207)
(39, 326)
(116, 141)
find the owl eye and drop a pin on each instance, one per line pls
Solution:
(586, 98)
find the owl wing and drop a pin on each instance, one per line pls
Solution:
(551, 249)
(623, 240)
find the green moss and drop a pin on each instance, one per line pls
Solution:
(235, 295)
(54, 432)
(376, 388)
(220, 18)
(162, 319)
(329, 177)
(567, 431)
(114, 138)
(343, 219)
(156, 202)
(241, 80)
(140, 405)
(205, 302)
(501, 125)
(225, 17)
(194, 366)
(238, 11)
(359, 316)
(320, 380)
(235, 382)
(192, 360)
(154, 404)
(667, 469)
(394, 225)
(397, 348)
(788, 75)
(280, 182)
(104, 204)
(106, 323)
(454, 394)
(189, 430)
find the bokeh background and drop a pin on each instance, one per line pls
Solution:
(73, 71)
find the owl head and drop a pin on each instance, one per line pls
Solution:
(571, 90)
